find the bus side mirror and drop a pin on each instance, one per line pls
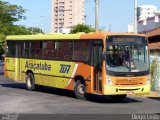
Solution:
(103, 55)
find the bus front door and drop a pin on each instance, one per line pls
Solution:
(97, 64)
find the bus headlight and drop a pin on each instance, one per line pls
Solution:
(148, 80)
(109, 81)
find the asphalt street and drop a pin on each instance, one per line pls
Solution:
(17, 103)
(15, 98)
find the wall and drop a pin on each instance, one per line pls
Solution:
(149, 24)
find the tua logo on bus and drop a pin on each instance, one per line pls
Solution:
(65, 68)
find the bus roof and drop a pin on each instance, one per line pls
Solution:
(99, 35)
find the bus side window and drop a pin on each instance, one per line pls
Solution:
(64, 50)
(48, 50)
(81, 50)
(10, 49)
(35, 49)
(52, 52)
(25, 49)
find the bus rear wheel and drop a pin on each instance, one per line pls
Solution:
(80, 90)
(30, 82)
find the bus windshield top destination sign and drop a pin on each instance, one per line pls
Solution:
(127, 39)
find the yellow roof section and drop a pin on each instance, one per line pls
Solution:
(44, 37)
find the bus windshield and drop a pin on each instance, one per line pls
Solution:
(127, 56)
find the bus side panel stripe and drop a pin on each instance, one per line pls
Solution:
(73, 73)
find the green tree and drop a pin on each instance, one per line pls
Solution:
(82, 28)
(19, 30)
(35, 30)
(154, 71)
(2, 37)
(9, 14)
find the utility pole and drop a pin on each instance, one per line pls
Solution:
(41, 25)
(135, 15)
(110, 28)
(96, 15)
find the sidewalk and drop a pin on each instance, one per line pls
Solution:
(154, 94)
(151, 94)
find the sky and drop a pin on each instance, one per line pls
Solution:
(113, 14)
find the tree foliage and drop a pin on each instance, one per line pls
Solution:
(82, 28)
(35, 30)
(9, 14)
(154, 72)
(2, 37)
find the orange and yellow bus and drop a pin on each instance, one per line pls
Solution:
(104, 63)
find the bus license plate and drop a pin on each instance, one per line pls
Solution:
(130, 92)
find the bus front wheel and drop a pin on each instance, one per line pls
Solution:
(80, 90)
(30, 82)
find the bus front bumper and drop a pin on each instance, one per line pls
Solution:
(121, 90)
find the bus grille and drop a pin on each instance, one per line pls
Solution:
(127, 81)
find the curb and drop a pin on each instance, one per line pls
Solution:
(154, 94)
(151, 94)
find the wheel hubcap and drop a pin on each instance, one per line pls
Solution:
(81, 89)
(29, 82)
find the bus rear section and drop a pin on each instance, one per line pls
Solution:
(59, 61)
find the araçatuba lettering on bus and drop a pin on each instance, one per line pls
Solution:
(38, 66)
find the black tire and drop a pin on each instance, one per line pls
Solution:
(118, 97)
(30, 82)
(80, 90)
